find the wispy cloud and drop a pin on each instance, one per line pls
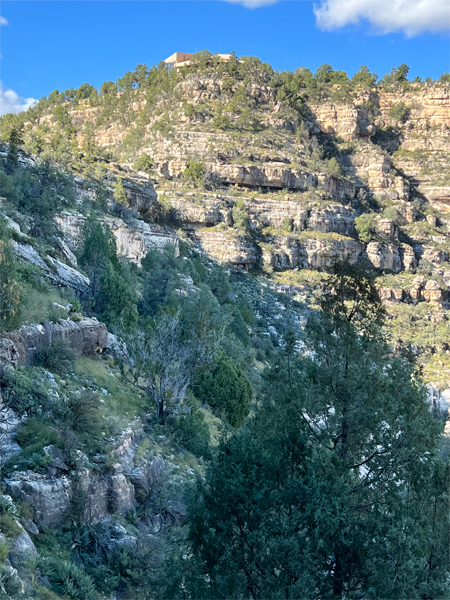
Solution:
(11, 102)
(386, 16)
(3, 21)
(253, 3)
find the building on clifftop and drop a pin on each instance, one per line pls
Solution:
(182, 59)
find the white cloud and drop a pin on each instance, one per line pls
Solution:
(3, 21)
(253, 3)
(12, 102)
(411, 16)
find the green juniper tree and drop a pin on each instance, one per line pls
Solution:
(334, 488)
(111, 296)
(119, 192)
(10, 288)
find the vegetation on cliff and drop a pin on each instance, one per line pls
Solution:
(228, 439)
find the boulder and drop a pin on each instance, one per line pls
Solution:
(432, 292)
(146, 477)
(140, 196)
(9, 424)
(8, 352)
(103, 495)
(22, 549)
(49, 496)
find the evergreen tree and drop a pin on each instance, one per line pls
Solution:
(119, 192)
(226, 388)
(12, 159)
(111, 296)
(116, 302)
(333, 489)
(10, 289)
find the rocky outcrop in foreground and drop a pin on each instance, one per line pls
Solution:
(21, 347)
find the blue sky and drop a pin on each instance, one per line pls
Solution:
(60, 44)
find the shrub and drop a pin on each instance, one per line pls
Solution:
(10, 582)
(390, 213)
(195, 172)
(9, 526)
(4, 551)
(10, 289)
(31, 458)
(144, 163)
(119, 192)
(19, 391)
(56, 312)
(288, 225)
(400, 112)
(241, 219)
(69, 579)
(212, 180)
(333, 168)
(36, 431)
(58, 358)
(221, 121)
(192, 432)
(226, 388)
(365, 226)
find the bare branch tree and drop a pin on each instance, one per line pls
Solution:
(161, 360)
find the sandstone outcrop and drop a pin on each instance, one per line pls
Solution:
(133, 241)
(49, 496)
(227, 246)
(85, 337)
(58, 272)
(287, 252)
(140, 196)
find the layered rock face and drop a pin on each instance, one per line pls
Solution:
(87, 336)
(133, 241)
(94, 494)
(391, 147)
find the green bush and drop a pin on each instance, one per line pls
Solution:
(195, 172)
(365, 226)
(192, 432)
(69, 579)
(10, 288)
(19, 390)
(31, 458)
(333, 168)
(226, 388)
(400, 112)
(288, 225)
(144, 163)
(9, 526)
(241, 219)
(11, 583)
(37, 431)
(391, 213)
(4, 551)
(56, 313)
(58, 358)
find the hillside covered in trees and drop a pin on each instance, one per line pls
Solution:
(224, 336)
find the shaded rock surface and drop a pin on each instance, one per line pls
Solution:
(85, 337)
